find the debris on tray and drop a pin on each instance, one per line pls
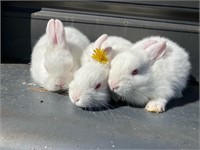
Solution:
(31, 84)
(39, 89)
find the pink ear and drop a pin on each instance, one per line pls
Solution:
(149, 43)
(108, 50)
(59, 32)
(55, 32)
(156, 50)
(50, 31)
(100, 40)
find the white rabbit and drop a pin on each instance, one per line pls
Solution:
(151, 73)
(56, 56)
(89, 88)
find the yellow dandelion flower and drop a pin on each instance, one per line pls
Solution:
(100, 55)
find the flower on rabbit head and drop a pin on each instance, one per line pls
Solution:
(100, 55)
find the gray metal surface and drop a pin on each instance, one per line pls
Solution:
(34, 119)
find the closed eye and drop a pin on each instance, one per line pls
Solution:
(134, 72)
(98, 86)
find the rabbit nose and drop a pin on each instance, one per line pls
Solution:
(115, 88)
(75, 98)
(114, 85)
(60, 84)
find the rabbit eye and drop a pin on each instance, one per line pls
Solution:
(98, 86)
(134, 72)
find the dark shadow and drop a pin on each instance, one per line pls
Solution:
(192, 81)
(16, 32)
(190, 95)
(62, 92)
(110, 105)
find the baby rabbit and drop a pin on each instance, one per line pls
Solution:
(151, 73)
(56, 56)
(89, 87)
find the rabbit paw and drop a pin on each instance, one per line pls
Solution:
(155, 106)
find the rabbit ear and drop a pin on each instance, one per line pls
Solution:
(55, 32)
(60, 32)
(148, 43)
(108, 50)
(50, 31)
(100, 40)
(156, 50)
